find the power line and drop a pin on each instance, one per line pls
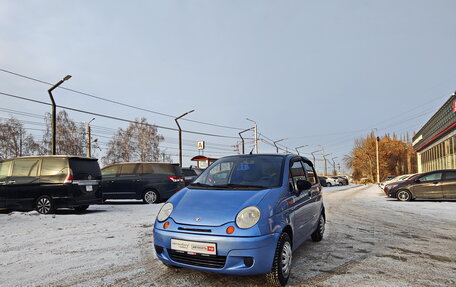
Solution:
(117, 102)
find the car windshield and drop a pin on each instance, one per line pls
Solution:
(242, 172)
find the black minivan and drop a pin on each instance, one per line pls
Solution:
(46, 183)
(149, 181)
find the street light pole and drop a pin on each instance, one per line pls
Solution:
(67, 77)
(242, 139)
(89, 139)
(256, 134)
(275, 144)
(326, 164)
(377, 139)
(313, 156)
(180, 135)
(334, 166)
(296, 148)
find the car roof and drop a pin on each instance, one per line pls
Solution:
(51, 156)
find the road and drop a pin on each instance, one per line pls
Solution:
(369, 241)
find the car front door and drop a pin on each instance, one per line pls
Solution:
(428, 186)
(300, 202)
(315, 197)
(449, 184)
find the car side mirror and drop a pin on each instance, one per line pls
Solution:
(417, 180)
(302, 184)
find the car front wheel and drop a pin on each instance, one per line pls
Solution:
(45, 205)
(328, 184)
(281, 266)
(404, 195)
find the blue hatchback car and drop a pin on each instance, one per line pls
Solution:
(244, 215)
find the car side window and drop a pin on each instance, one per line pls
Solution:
(110, 171)
(5, 168)
(431, 177)
(310, 173)
(296, 173)
(25, 167)
(54, 166)
(128, 169)
(448, 175)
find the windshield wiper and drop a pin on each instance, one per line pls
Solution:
(200, 184)
(241, 185)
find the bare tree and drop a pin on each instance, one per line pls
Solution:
(71, 137)
(138, 142)
(14, 140)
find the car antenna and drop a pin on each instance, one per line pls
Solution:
(251, 152)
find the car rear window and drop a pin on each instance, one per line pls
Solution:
(188, 172)
(82, 168)
(159, 168)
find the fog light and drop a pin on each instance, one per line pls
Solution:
(248, 261)
(158, 249)
(166, 225)
(230, 229)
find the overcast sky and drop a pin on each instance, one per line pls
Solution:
(314, 72)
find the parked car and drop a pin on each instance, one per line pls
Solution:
(343, 179)
(244, 215)
(322, 181)
(46, 183)
(190, 174)
(434, 184)
(330, 181)
(148, 181)
(395, 180)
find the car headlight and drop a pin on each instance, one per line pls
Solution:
(248, 217)
(165, 211)
(392, 186)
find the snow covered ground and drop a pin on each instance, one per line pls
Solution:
(369, 241)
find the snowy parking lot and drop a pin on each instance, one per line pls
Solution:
(369, 241)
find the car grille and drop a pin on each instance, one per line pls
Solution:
(209, 261)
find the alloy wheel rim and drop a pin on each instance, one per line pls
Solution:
(150, 197)
(322, 225)
(44, 205)
(286, 258)
(403, 195)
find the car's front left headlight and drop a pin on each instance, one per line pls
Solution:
(165, 211)
(248, 217)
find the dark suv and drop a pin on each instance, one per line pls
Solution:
(45, 183)
(434, 184)
(148, 181)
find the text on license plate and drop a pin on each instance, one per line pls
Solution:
(194, 247)
(89, 188)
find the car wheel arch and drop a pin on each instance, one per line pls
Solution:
(289, 231)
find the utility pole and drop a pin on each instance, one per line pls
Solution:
(377, 140)
(256, 134)
(275, 144)
(326, 164)
(180, 135)
(89, 139)
(242, 139)
(67, 77)
(296, 148)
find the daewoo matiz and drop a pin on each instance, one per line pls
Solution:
(244, 215)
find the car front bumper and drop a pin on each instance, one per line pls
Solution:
(236, 249)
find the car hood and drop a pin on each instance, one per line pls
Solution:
(212, 207)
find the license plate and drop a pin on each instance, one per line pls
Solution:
(89, 188)
(194, 247)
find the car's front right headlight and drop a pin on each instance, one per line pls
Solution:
(165, 211)
(248, 217)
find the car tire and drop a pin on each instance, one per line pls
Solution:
(45, 205)
(328, 184)
(81, 208)
(404, 195)
(317, 235)
(281, 267)
(151, 196)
